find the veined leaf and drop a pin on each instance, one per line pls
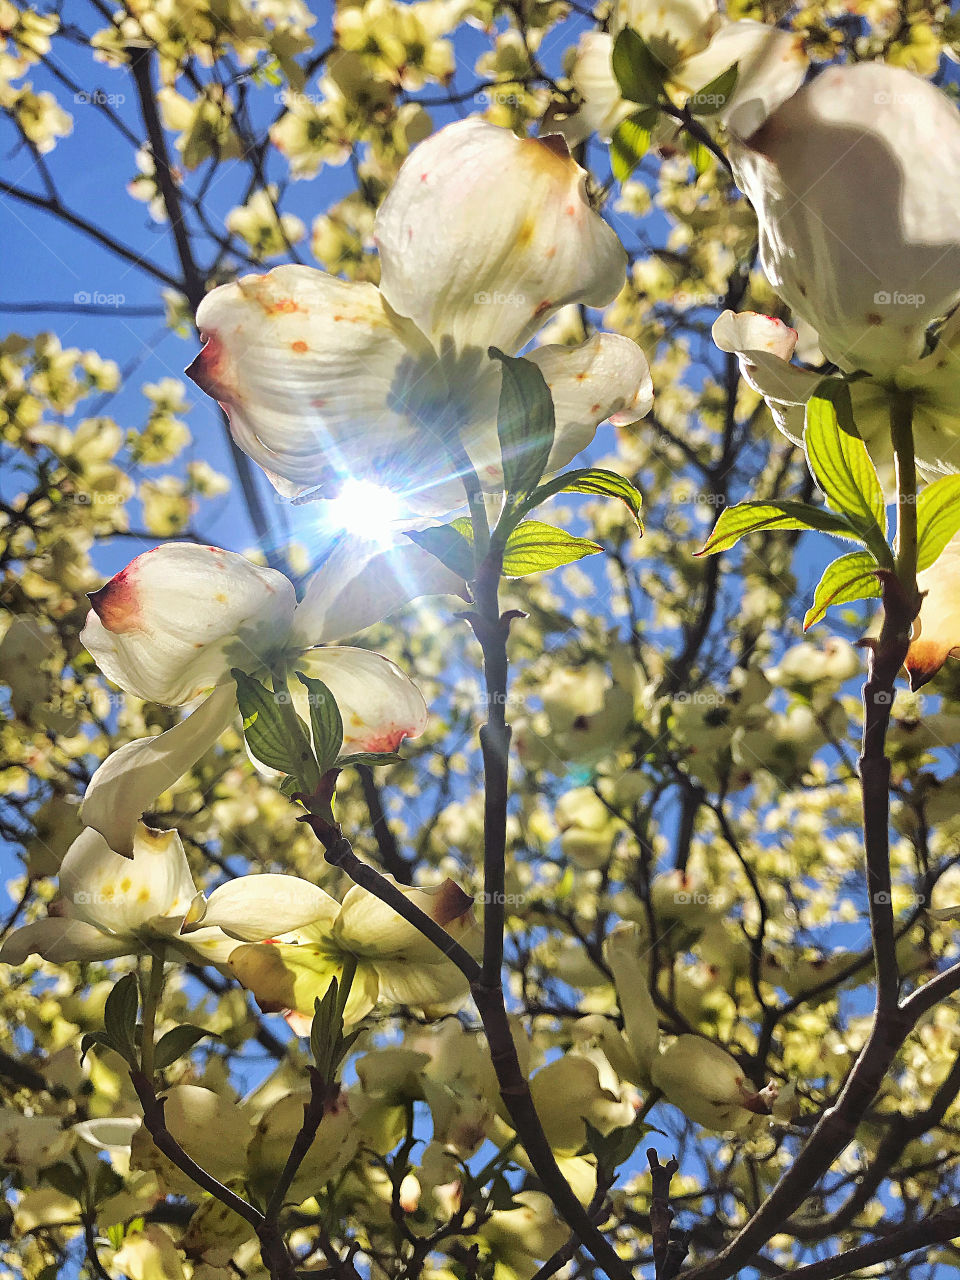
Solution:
(938, 518)
(534, 547)
(595, 480)
(274, 732)
(450, 546)
(631, 142)
(179, 1040)
(851, 577)
(120, 1016)
(638, 72)
(526, 424)
(840, 464)
(325, 721)
(713, 97)
(757, 517)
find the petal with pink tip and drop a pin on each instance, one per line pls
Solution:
(379, 705)
(176, 619)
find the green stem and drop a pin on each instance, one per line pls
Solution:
(151, 993)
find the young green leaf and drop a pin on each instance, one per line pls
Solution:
(325, 721)
(713, 97)
(630, 142)
(841, 466)
(938, 518)
(851, 577)
(274, 732)
(526, 423)
(595, 480)
(174, 1043)
(534, 547)
(120, 1016)
(757, 517)
(638, 72)
(450, 546)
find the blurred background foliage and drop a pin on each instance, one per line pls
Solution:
(685, 757)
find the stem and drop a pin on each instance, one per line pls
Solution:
(491, 629)
(893, 1021)
(151, 993)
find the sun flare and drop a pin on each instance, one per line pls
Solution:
(365, 509)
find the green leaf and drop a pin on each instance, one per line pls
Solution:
(175, 1043)
(851, 577)
(92, 1038)
(639, 73)
(371, 758)
(757, 517)
(274, 732)
(713, 97)
(630, 142)
(594, 480)
(106, 1182)
(325, 721)
(534, 547)
(120, 1016)
(526, 423)
(449, 546)
(66, 1179)
(938, 518)
(115, 1233)
(841, 466)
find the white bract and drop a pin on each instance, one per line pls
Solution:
(483, 238)
(109, 906)
(392, 958)
(171, 625)
(855, 183)
(694, 44)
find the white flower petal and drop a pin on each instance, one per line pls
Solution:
(772, 65)
(359, 583)
(253, 908)
(122, 895)
(322, 381)
(176, 619)
(380, 706)
(674, 30)
(128, 782)
(764, 346)
(868, 273)
(602, 107)
(605, 377)
(936, 633)
(485, 235)
(60, 939)
(368, 927)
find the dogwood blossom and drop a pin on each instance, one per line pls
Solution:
(109, 906)
(394, 961)
(171, 625)
(764, 346)
(868, 275)
(694, 43)
(482, 239)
